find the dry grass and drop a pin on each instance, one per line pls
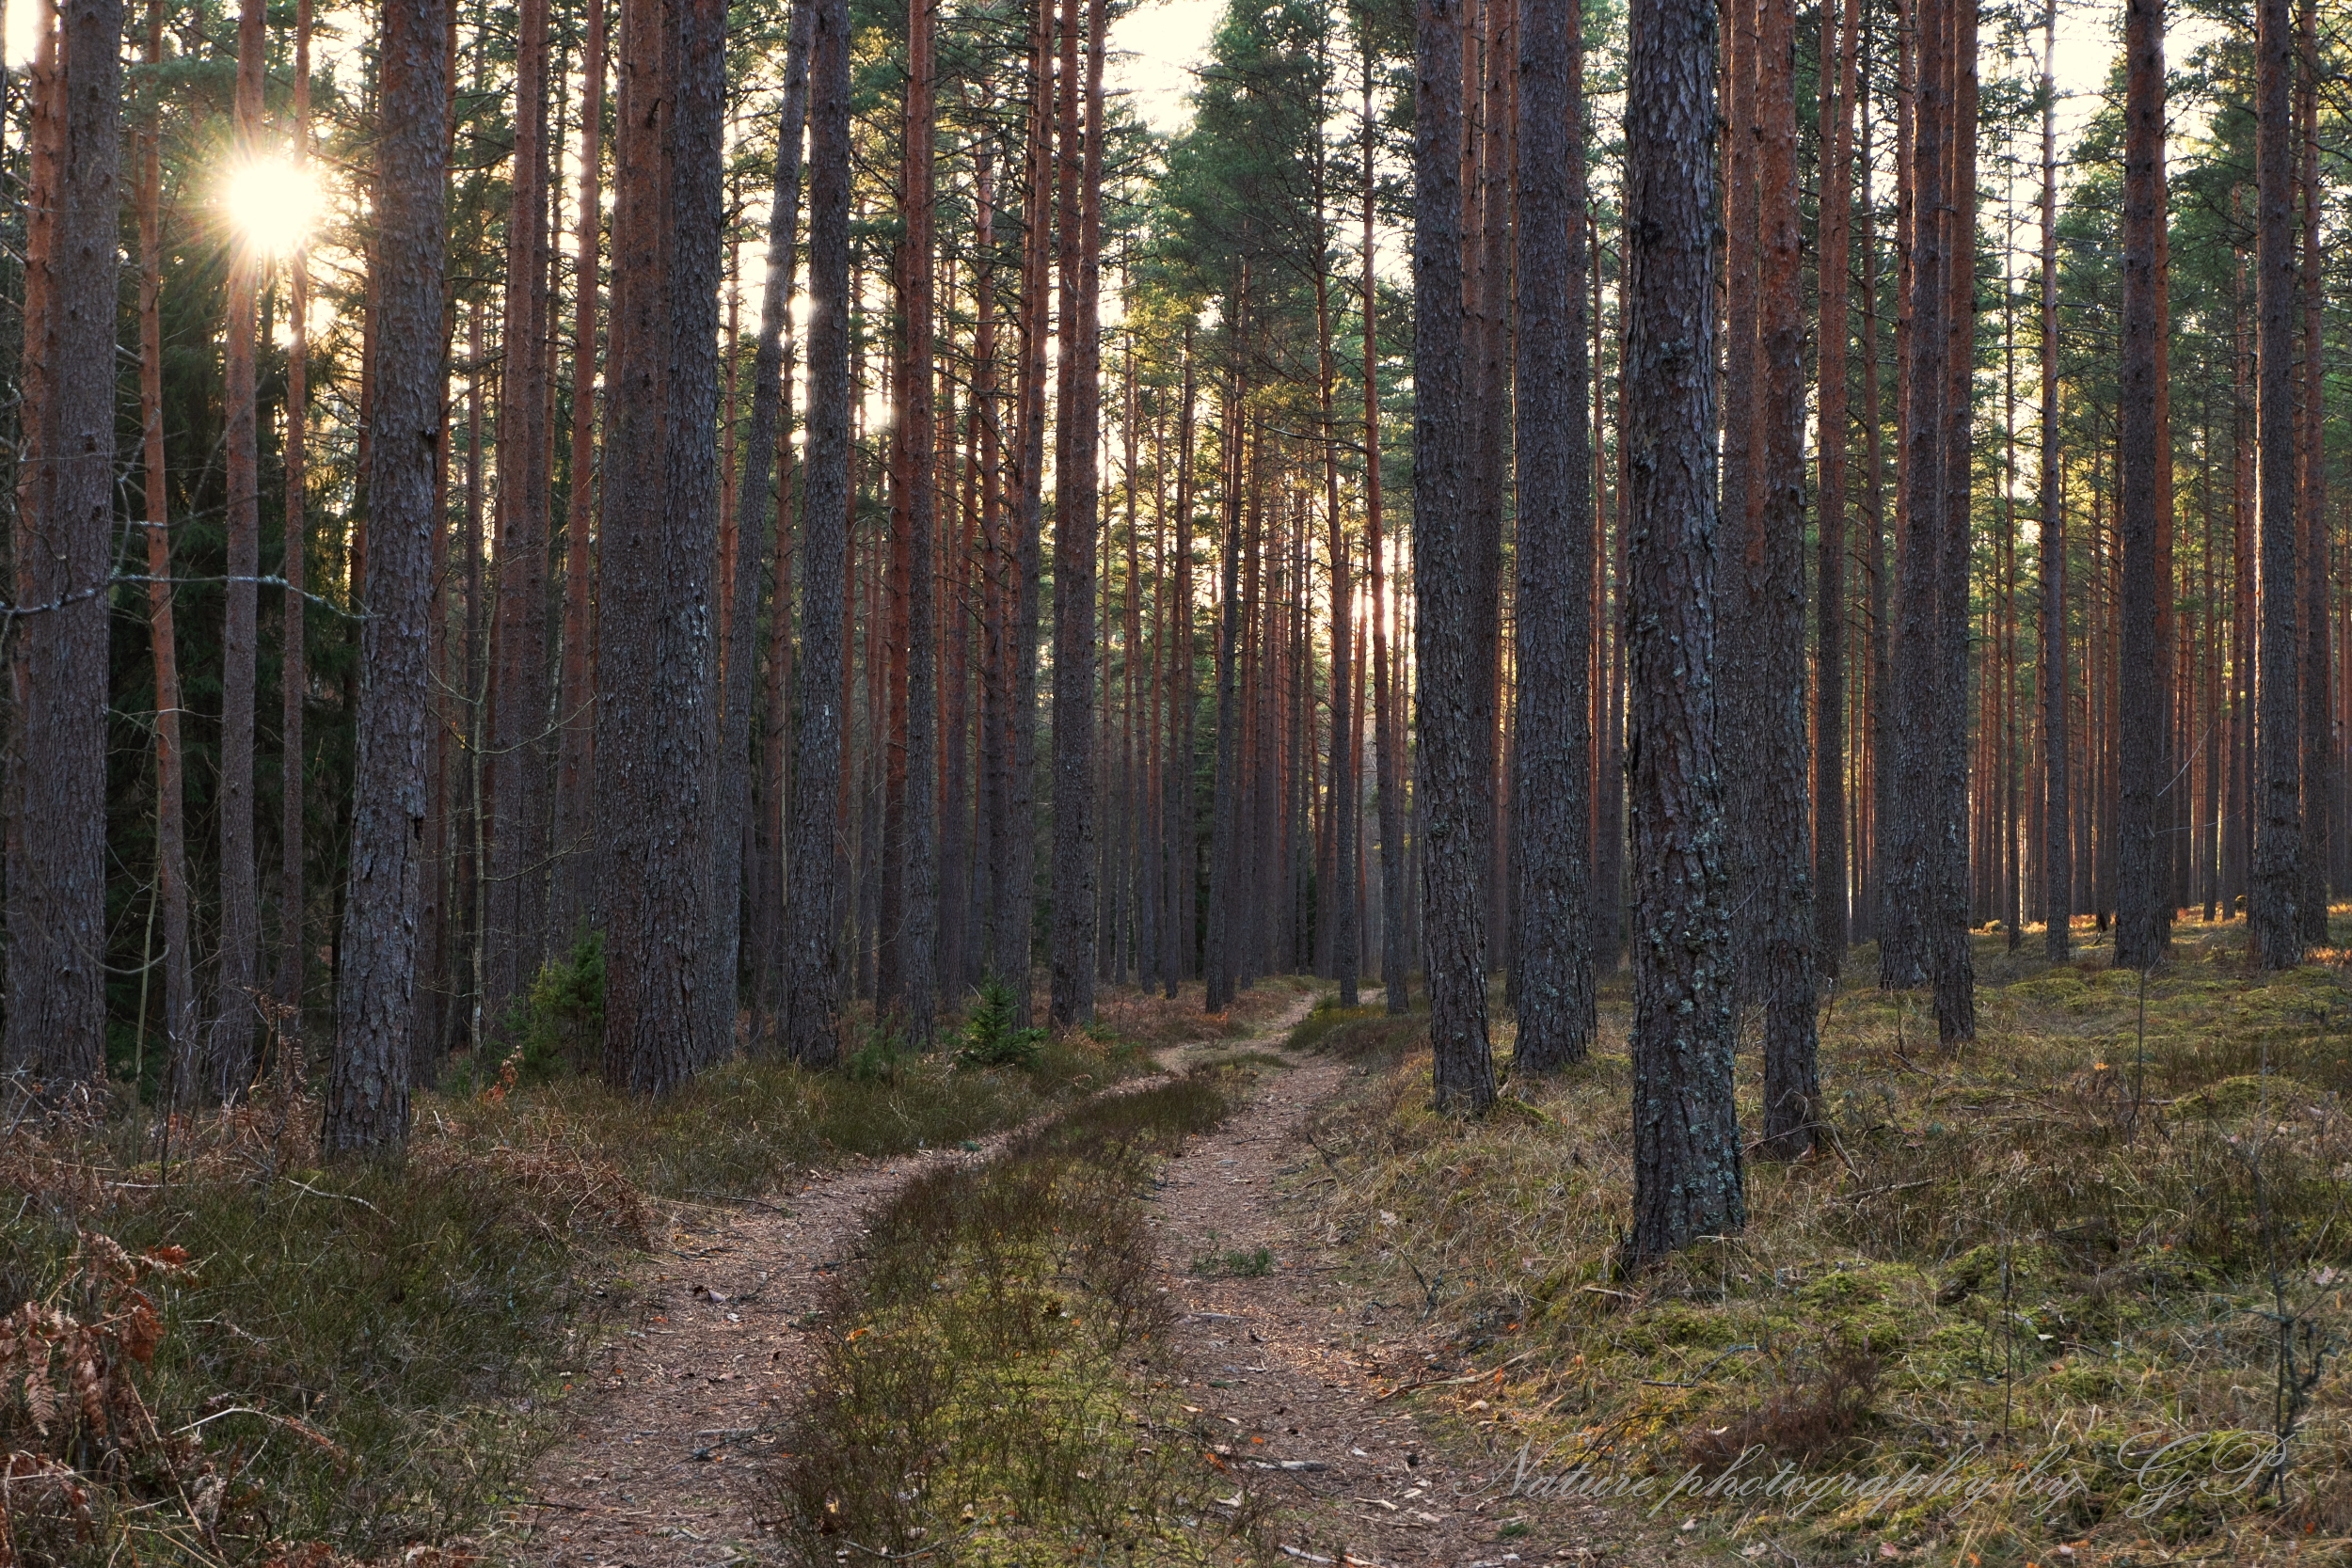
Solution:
(2080, 1239)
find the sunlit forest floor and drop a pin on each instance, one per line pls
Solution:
(2083, 1280)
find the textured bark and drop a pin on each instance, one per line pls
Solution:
(171, 849)
(918, 936)
(1783, 959)
(1177, 796)
(56, 910)
(1455, 740)
(1830, 880)
(1076, 524)
(367, 1092)
(1687, 1176)
(813, 966)
(666, 1012)
(234, 1047)
(573, 902)
(1908, 825)
(1335, 903)
(2274, 923)
(2318, 737)
(2057, 859)
(2143, 906)
(1953, 961)
(760, 501)
(515, 937)
(1552, 989)
(1387, 724)
(1219, 965)
(294, 677)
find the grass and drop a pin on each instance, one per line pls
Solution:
(364, 1356)
(998, 1348)
(2077, 1241)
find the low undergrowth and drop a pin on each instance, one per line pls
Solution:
(2086, 1277)
(994, 1393)
(217, 1350)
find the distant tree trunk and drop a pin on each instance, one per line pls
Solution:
(515, 795)
(367, 1093)
(2276, 924)
(1454, 783)
(171, 851)
(1953, 961)
(1219, 965)
(1784, 961)
(2058, 863)
(1552, 963)
(56, 910)
(2144, 922)
(2318, 737)
(813, 959)
(759, 501)
(1075, 523)
(573, 906)
(1829, 871)
(1335, 903)
(1386, 725)
(1687, 1177)
(666, 1014)
(1020, 918)
(234, 1055)
(1177, 796)
(294, 678)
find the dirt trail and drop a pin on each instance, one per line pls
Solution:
(665, 1463)
(666, 1467)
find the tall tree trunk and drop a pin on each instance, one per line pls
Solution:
(515, 796)
(1387, 725)
(2057, 864)
(57, 917)
(1552, 963)
(1953, 961)
(1335, 903)
(1075, 503)
(235, 1055)
(171, 851)
(919, 937)
(761, 501)
(2318, 737)
(1830, 872)
(1220, 941)
(367, 1093)
(813, 969)
(1687, 1177)
(2143, 923)
(1177, 796)
(294, 679)
(1783, 962)
(574, 900)
(656, 739)
(1447, 548)
(2275, 919)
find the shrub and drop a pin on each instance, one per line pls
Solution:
(990, 1039)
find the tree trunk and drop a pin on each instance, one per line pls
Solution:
(1953, 961)
(2143, 919)
(294, 677)
(367, 1093)
(515, 796)
(1455, 784)
(657, 739)
(2058, 863)
(1687, 1178)
(1830, 889)
(573, 905)
(234, 1051)
(1784, 961)
(2276, 922)
(2318, 737)
(812, 958)
(172, 853)
(1552, 964)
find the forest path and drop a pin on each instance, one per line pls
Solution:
(665, 1462)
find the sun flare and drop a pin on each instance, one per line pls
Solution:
(273, 204)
